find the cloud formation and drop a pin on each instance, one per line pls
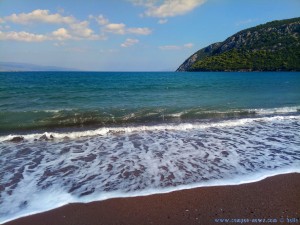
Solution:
(22, 36)
(61, 34)
(188, 45)
(69, 27)
(167, 8)
(75, 29)
(139, 30)
(81, 29)
(129, 42)
(116, 28)
(39, 15)
(100, 19)
(119, 28)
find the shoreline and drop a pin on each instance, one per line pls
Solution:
(274, 198)
(164, 118)
(89, 131)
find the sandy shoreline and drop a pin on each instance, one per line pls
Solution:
(275, 198)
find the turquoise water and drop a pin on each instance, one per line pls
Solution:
(80, 137)
(41, 100)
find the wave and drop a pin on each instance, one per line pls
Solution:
(138, 128)
(64, 118)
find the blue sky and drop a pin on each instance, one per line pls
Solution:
(125, 35)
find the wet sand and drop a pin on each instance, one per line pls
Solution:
(275, 199)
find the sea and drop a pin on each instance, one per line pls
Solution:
(70, 137)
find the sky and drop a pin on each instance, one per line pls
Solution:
(125, 35)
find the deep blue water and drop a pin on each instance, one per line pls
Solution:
(40, 100)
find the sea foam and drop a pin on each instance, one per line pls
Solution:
(133, 161)
(129, 129)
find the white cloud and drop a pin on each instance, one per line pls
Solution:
(81, 29)
(129, 42)
(176, 47)
(22, 36)
(76, 30)
(188, 45)
(73, 30)
(139, 30)
(61, 34)
(39, 15)
(116, 28)
(101, 20)
(167, 8)
(120, 28)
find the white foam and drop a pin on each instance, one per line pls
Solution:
(177, 115)
(144, 160)
(41, 202)
(52, 110)
(63, 198)
(178, 127)
(277, 110)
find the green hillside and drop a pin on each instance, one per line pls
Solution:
(274, 46)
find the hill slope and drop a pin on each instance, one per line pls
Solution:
(274, 46)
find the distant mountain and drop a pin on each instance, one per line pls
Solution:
(274, 46)
(12, 66)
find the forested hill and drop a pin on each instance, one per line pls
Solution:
(274, 46)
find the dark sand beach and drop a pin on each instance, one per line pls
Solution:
(275, 199)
